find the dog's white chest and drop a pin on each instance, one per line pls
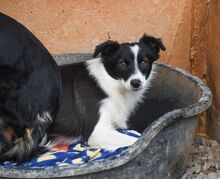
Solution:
(115, 110)
(120, 103)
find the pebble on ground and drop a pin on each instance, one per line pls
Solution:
(204, 161)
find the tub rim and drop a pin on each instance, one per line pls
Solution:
(134, 150)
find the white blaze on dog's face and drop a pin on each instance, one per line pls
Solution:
(138, 79)
(130, 63)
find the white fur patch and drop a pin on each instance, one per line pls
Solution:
(44, 117)
(114, 109)
(137, 73)
(135, 50)
(43, 141)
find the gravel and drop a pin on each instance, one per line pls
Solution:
(204, 161)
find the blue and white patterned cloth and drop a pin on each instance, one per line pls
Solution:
(74, 154)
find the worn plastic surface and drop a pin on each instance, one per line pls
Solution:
(170, 110)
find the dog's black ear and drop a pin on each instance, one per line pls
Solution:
(107, 48)
(154, 43)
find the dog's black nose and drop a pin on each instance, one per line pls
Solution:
(136, 83)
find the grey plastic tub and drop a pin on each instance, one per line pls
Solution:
(171, 113)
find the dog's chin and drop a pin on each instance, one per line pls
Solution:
(136, 89)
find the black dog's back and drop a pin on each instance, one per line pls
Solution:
(29, 90)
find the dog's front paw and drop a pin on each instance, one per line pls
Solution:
(93, 143)
(125, 141)
(111, 142)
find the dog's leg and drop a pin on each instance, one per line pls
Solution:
(110, 139)
(6, 138)
(28, 145)
(104, 134)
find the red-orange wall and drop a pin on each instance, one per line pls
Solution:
(79, 25)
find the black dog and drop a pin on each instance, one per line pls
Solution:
(29, 91)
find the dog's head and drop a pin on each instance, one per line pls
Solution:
(131, 63)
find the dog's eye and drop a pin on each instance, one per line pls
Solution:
(123, 63)
(144, 64)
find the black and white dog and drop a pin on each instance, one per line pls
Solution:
(30, 87)
(100, 94)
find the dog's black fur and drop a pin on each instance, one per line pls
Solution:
(29, 91)
(79, 104)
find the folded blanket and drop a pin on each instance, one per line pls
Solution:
(74, 154)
